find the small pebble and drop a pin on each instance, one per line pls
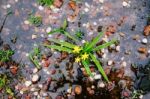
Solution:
(34, 36)
(35, 70)
(35, 93)
(86, 9)
(8, 6)
(144, 41)
(28, 83)
(101, 1)
(35, 78)
(48, 29)
(101, 85)
(124, 3)
(83, 41)
(117, 48)
(41, 8)
(69, 90)
(78, 89)
(98, 76)
(124, 64)
(26, 22)
(110, 62)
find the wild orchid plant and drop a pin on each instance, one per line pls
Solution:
(83, 54)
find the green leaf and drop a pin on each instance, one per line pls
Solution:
(35, 62)
(104, 45)
(59, 48)
(65, 24)
(86, 66)
(93, 42)
(63, 43)
(58, 30)
(70, 36)
(99, 67)
(9, 91)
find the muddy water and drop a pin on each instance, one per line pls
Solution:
(111, 12)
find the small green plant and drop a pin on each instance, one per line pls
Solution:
(136, 94)
(5, 55)
(3, 85)
(47, 3)
(79, 34)
(35, 20)
(62, 30)
(83, 54)
(33, 57)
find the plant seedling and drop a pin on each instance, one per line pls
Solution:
(83, 54)
(35, 20)
(47, 3)
(5, 55)
(62, 30)
(34, 60)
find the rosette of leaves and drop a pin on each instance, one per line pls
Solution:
(83, 54)
(5, 55)
(35, 20)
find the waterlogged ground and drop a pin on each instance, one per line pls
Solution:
(121, 19)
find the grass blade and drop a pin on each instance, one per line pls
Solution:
(65, 23)
(99, 67)
(59, 48)
(86, 66)
(70, 36)
(93, 42)
(104, 45)
(59, 30)
(35, 62)
(63, 43)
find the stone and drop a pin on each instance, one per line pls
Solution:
(98, 76)
(78, 89)
(144, 41)
(35, 78)
(28, 83)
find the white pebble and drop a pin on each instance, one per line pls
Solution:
(118, 48)
(44, 94)
(40, 85)
(86, 9)
(83, 41)
(94, 23)
(110, 62)
(28, 83)
(27, 54)
(144, 41)
(41, 8)
(101, 1)
(98, 76)
(34, 36)
(101, 85)
(35, 93)
(35, 70)
(48, 29)
(8, 6)
(69, 90)
(141, 96)
(124, 3)
(35, 78)
(16, 0)
(124, 64)
(49, 35)
(42, 35)
(26, 22)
